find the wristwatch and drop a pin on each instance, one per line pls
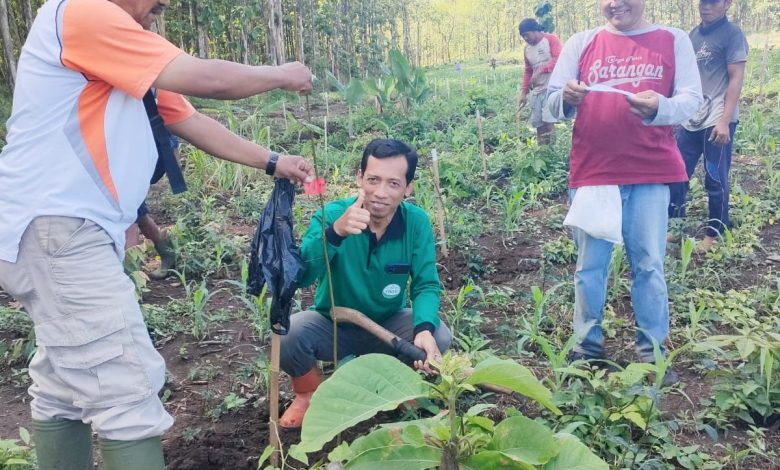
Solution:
(270, 167)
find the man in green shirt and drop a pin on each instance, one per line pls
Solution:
(377, 245)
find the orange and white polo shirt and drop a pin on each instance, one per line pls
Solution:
(79, 141)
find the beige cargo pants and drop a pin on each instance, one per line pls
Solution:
(95, 361)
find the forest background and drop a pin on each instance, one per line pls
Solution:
(353, 37)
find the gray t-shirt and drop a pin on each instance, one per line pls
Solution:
(716, 47)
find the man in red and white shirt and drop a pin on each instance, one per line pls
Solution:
(77, 166)
(628, 82)
(541, 55)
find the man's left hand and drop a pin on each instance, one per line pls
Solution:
(720, 135)
(644, 104)
(425, 341)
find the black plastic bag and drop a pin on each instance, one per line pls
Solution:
(275, 258)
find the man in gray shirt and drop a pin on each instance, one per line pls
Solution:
(721, 52)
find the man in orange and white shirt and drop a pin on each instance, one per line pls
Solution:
(77, 165)
(541, 55)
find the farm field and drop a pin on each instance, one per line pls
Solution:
(506, 279)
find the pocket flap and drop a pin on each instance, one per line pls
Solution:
(86, 357)
(80, 328)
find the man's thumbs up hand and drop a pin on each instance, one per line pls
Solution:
(354, 220)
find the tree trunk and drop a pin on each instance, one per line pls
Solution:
(159, 24)
(407, 36)
(8, 47)
(312, 34)
(275, 32)
(27, 13)
(299, 16)
(244, 46)
(203, 44)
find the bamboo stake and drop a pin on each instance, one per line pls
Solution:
(439, 203)
(325, 119)
(273, 399)
(327, 109)
(482, 146)
(448, 88)
(321, 199)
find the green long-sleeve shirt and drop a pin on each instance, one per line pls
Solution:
(372, 276)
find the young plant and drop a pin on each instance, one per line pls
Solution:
(15, 455)
(449, 440)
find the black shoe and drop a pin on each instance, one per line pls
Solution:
(670, 378)
(580, 356)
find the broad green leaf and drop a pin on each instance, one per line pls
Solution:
(745, 346)
(426, 425)
(298, 454)
(509, 374)
(354, 92)
(385, 449)
(481, 421)
(494, 459)
(335, 82)
(412, 435)
(264, 456)
(524, 439)
(356, 392)
(635, 372)
(574, 455)
(25, 435)
(479, 408)
(15, 461)
(340, 453)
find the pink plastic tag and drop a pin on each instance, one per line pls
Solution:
(315, 186)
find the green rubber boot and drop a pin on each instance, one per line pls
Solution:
(63, 445)
(145, 454)
(167, 253)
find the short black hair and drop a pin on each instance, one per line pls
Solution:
(528, 25)
(386, 148)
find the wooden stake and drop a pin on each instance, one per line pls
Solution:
(325, 119)
(439, 203)
(273, 400)
(284, 113)
(448, 88)
(482, 146)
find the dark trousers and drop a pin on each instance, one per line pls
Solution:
(311, 339)
(717, 163)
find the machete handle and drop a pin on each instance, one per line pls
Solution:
(407, 350)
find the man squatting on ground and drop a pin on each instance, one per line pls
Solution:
(628, 142)
(541, 55)
(377, 245)
(721, 52)
(76, 168)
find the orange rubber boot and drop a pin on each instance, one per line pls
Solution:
(304, 387)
